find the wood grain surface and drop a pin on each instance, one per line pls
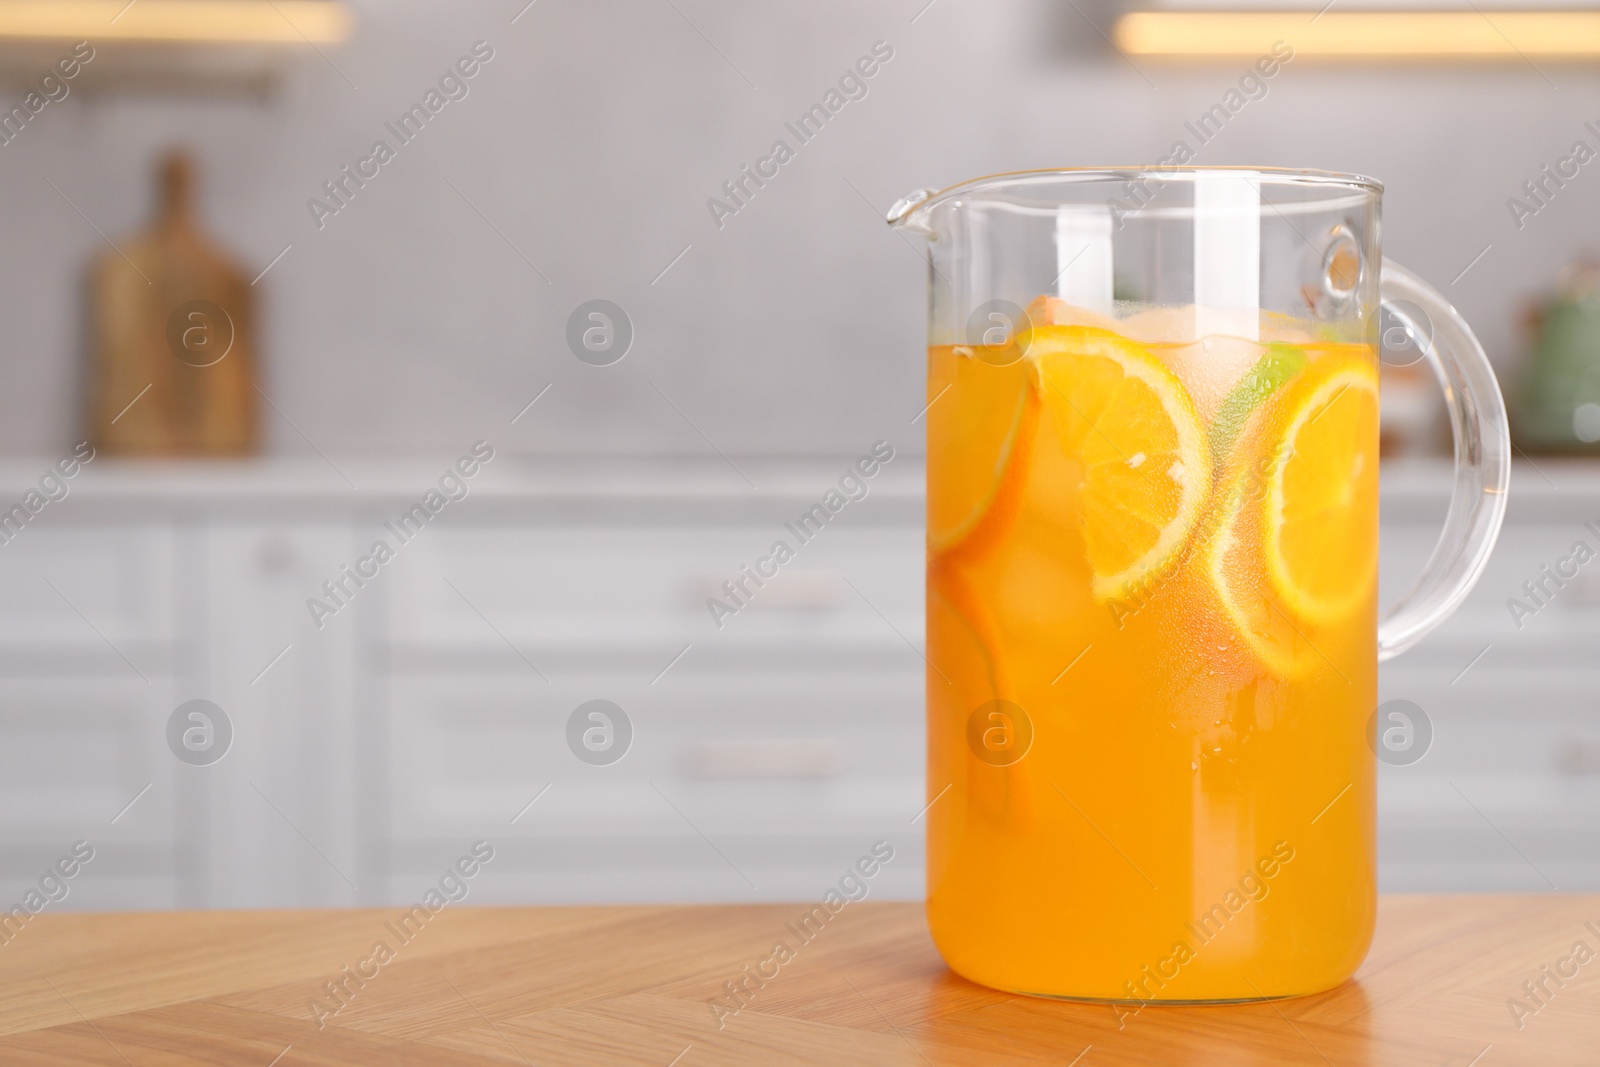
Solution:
(634, 986)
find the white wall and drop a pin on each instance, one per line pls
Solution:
(408, 326)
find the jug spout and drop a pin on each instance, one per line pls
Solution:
(906, 213)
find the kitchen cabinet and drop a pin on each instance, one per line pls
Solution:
(432, 708)
(1508, 795)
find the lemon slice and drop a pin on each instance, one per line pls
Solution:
(981, 406)
(1321, 545)
(1146, 465)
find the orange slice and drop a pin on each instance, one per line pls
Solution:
(958, 652)
(1291, 546)
(1231, 561)
(964, 678)
(1146, 465)
(1321, 542)
(981, 406)
(1053, 311)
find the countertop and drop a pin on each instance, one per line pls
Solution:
(633, 985)
(661, 489)
(1550, 487)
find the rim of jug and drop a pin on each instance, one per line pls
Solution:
(917, 202)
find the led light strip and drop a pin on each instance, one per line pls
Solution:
(216, 21)
(1507, 35)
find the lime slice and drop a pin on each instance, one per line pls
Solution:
(1280, 363)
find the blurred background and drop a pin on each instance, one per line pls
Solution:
(392, 319)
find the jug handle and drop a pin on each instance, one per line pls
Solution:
(1482, 454)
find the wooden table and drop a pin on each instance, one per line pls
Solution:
(548, 986)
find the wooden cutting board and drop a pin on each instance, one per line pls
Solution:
(171, 349)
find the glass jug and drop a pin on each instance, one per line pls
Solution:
(1152, 622)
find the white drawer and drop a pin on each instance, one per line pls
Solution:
(837, 755)
(86, 760)
(619, 588)
(643, 870)
(1561, 630)
(1508, 794)
(76, 752)
(79, 590)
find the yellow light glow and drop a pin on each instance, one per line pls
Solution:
(1508, 35)
(225, 21)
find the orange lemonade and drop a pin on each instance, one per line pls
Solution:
(1151, 616)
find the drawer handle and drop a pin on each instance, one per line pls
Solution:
(1587, 589)
(764, 759)
(813, 589)
(1580, 757)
